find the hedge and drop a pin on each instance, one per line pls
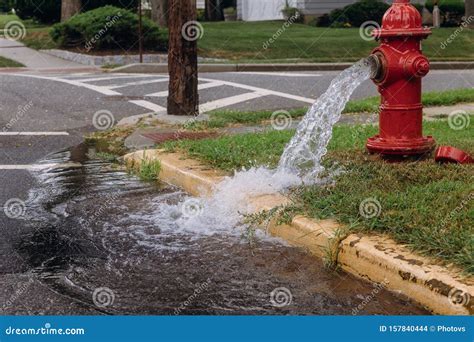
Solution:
(49, 11)
(108, 28)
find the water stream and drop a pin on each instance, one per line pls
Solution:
(303, 154)
(300, 162)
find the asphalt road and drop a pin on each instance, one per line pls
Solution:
(65, 104)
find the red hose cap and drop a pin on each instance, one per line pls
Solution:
(449, 154)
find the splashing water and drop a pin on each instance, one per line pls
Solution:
(303, 154)
(299, 163)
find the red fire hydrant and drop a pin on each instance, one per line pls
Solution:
(400, 65)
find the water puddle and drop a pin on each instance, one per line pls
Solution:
(94, 229)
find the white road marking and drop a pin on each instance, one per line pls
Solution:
(148, 105)
(283, 74)
(99, 89)
(95, 79)
(38, 167)
(228, 101)
(33, 133)
(137, 83)
(200, 87)
(262, 90)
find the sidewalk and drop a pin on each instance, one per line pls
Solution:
(33, 59)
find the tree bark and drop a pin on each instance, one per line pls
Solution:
(183, 96)
(470, 13)
(213, 10)
(159, 12)
(69, 8)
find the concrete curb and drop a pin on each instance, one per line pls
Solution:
(163, 68)
(375, 258)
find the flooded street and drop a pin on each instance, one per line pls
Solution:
(95, 240)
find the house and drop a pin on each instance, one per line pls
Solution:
(253, 10)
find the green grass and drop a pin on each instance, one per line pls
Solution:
(8, 63)
(243, 42)
(147, 170)
(424, 205)
(37, 34)
(222, 118)
(6, 18)
(234, 152)
(39, 38)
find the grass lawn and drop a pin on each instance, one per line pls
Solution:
(37, 35)
(6, 18)
(8, 63)
(222, 118)
(244, 41)
(424, 205)
(38, 38)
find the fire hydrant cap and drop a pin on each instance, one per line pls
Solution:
(402, 19)
(449, 154)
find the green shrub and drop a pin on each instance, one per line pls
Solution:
(452, 11)
(49, 11)
(108, 28)
(451, 6)
(358, 13)
(5, 6)
(45, 11)
(419, 7)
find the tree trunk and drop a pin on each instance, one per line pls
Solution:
(213, 10)
(69, 8)
(159, 12)
(470, 13)
(184, 32)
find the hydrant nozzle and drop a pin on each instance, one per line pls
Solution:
(398, 66)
